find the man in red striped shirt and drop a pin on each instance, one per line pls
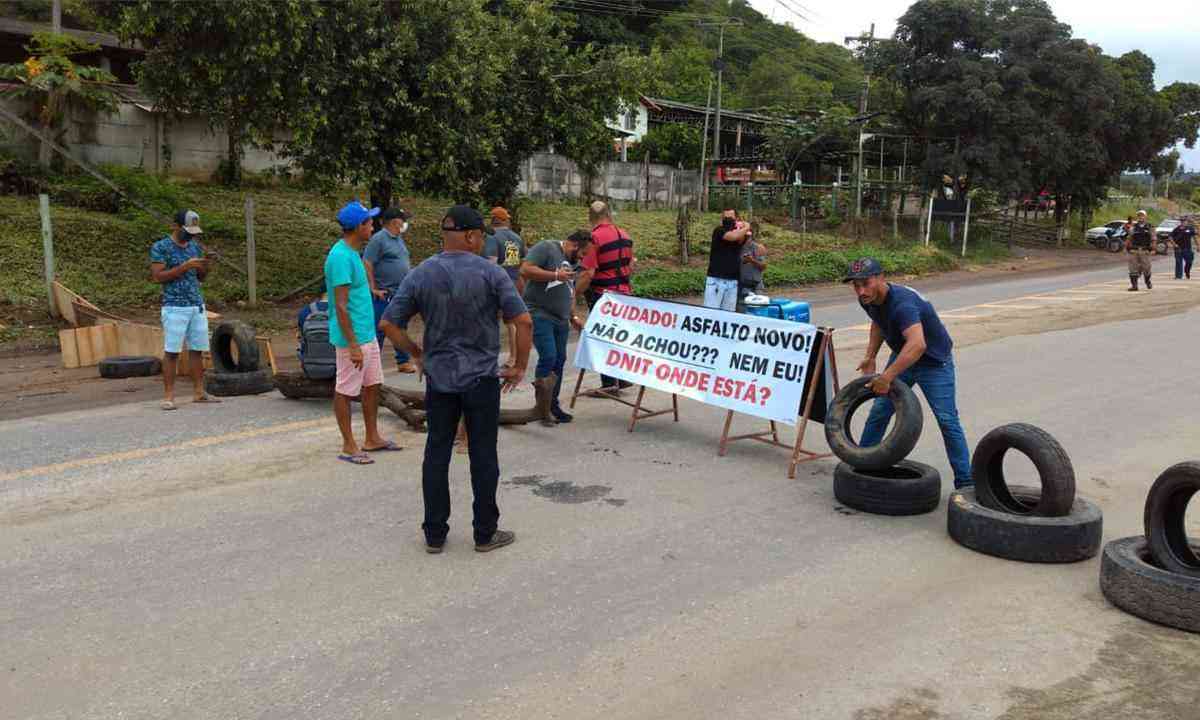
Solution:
(607, 266)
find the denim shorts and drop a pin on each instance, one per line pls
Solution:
(184, 323)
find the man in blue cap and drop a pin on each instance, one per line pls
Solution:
(458, 295)
(921, 356)
(352, 333)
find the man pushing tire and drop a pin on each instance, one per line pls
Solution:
(921, 356)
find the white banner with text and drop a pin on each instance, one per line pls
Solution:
(745, 363)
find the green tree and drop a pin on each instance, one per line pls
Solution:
(678, 145)
(444, 113)
(238, 63)
(54, 84)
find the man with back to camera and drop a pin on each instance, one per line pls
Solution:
(725, 262)
(921, 356)
(178, 264)
(607, 266)
(550, 297)
(387, 261)
(1139, 243)
(352, 333)
(458, 295)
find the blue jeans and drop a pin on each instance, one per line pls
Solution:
(936, 381)
(380, 306)
(1183, 263)
(550, 341)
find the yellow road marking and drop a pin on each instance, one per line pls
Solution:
(141, 453)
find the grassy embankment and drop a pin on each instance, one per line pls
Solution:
(102, 254)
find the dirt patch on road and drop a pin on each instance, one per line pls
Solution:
(1142, 672)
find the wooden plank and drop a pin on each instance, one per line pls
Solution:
(265, 351)
(109, 342)
(70, 352)
(86, 342)
(64, 299)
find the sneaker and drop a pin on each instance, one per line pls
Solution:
(500, 538)
(406, 368)
(561, 415)
(1149, 285)
(434, 548)
(965, 487)
(549, 422)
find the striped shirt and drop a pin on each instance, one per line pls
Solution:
(610, 257)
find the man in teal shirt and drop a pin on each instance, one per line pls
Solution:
(352, 333)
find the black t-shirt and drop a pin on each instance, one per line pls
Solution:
(724, 258)
(1182, 235)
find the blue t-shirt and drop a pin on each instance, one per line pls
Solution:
(183, 291)
(903, 308)
(457, 295)
(344, 266)
(389, 259)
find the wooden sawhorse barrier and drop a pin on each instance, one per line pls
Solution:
(639, 412)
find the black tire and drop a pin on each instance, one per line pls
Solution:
(907, 488)
(127, 366)
(227, 334)
(1116, 245)
(1053, 466)
(895, 446)
(238, 383)
(1131, 582)
(1166, 507)
(1025, 538)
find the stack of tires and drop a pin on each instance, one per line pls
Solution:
(878, 479)
(235, 362)
(1045, 525)
(1157, 576)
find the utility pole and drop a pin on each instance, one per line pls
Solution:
(56, 16)
(866, 39)
(704, 153)
(720, 67)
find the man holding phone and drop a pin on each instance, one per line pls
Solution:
(177, 263)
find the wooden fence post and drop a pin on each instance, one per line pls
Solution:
(251, 254)
(48, 251)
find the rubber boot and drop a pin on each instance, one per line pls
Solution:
(1133, 283)
(1149, 285)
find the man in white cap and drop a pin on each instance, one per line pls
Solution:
(177, 263)
(1139, 243)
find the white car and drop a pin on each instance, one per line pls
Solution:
(1162, 234)
(1109, 236)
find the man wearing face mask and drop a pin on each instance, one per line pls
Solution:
(550, 296)
(387, 261)
(177, 263)
(458, 295)
(725, 262)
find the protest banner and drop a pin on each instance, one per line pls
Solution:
(744, 363)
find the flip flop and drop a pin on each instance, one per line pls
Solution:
(206, 399)
(166, 405)
(358, 459)
(389, 447)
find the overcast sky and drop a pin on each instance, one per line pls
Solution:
(1166, 30)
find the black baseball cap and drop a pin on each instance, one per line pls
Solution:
(462, 217)
(392, 213)
(863, 268)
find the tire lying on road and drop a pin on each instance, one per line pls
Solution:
(1027, 538)
(907, 488)
(229, 334)
(1053, 466)
(127, 366)
(1130, 580)
(1116, 245)
(1165, 515)
(238, 383)
(895, 446)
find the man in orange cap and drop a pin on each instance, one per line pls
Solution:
(505, 247)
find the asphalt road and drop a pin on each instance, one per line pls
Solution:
(219, 562)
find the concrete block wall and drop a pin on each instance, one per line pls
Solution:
(554, 177)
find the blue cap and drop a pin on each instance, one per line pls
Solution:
(355, 214)
(863, 268)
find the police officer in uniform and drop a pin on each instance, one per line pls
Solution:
(1139, 243)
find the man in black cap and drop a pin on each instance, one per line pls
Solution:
(921, 356)
(458, 295)
(387, 261)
